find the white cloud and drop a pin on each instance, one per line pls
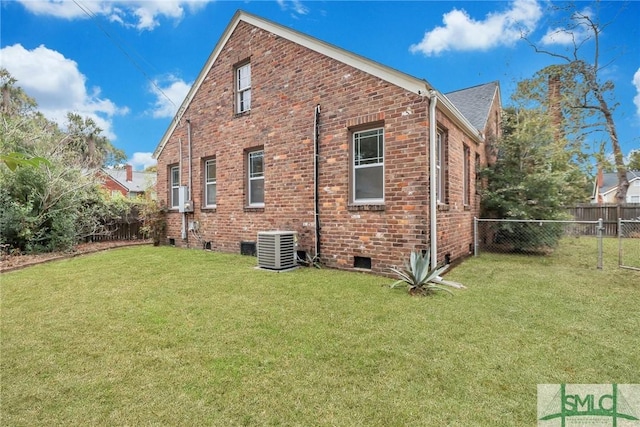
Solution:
(169, 92)
(296, 5)
(141, 14)
(463, 33)
(142, 160)
(636, 83)
(59, 90)
(574, 34)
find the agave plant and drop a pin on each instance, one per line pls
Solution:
(418, 276)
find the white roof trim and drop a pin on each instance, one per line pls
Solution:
(615, 187)
(395, 77)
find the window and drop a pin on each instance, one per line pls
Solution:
(441, 167)
(243, 88)
(466, 159)
(368, 166)
(633, 199)
(210, 182)
(174, 177)
(478, 168)
(256, 178)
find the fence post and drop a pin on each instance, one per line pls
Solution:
(600, 250)
(475, 236)
(619, 242)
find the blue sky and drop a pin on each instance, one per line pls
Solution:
(119, 61)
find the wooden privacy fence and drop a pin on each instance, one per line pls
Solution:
(609, 213)
(119, 231)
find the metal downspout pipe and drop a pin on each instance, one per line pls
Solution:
(316, 162)
(433, 202)
(190, 165)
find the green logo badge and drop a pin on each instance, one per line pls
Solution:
(616, 405)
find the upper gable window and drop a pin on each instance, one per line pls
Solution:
(368, 166)
(243, 88)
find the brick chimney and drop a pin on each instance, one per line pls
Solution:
(129, 170)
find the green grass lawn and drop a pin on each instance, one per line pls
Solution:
(166, 336)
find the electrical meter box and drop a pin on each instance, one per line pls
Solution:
(184, 204)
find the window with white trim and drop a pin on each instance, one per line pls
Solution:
(478, 168)
(255, 186)
(243, 88)
(210, 183)
(441, 167)
(174, 180)
(368, 166)
(466, 159)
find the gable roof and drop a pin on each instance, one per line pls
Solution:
(475, 102)
(139, 183)
(391, 75)
(610, 181)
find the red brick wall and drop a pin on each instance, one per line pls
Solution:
(288, 81)
(110, 185)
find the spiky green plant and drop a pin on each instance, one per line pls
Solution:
(418, 276)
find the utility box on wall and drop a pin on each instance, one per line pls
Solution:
(184, 204)
(276, 250)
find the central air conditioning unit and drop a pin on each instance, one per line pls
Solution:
(276, 249)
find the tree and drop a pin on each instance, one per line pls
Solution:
(48, 204)
(85, 140)
(585, 100)
(634, 160)
(534, 177)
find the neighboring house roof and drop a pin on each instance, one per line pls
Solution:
(139, 183)
(475, 102)
(610, 181)
(391, 75)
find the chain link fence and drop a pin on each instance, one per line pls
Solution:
(535, 237)
(629, 244)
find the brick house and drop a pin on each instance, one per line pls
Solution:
(282, 131)
(126, 181)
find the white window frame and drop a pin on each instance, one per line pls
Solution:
(243, 88)
(477, 168)
(254, 176)
(359, 164)
(210, 182)
(466, 175)
(440, 167)
(174, 183)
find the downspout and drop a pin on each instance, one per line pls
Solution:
(183, 229)
(189, 145)
(316, 162)
(433, 203)
(185, 215)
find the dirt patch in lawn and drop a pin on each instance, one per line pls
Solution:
(18, 261)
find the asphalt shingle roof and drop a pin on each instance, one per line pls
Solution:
(475, 103)
(140, 180)
(610, 180)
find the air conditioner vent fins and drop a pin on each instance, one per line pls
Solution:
(276, 250)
